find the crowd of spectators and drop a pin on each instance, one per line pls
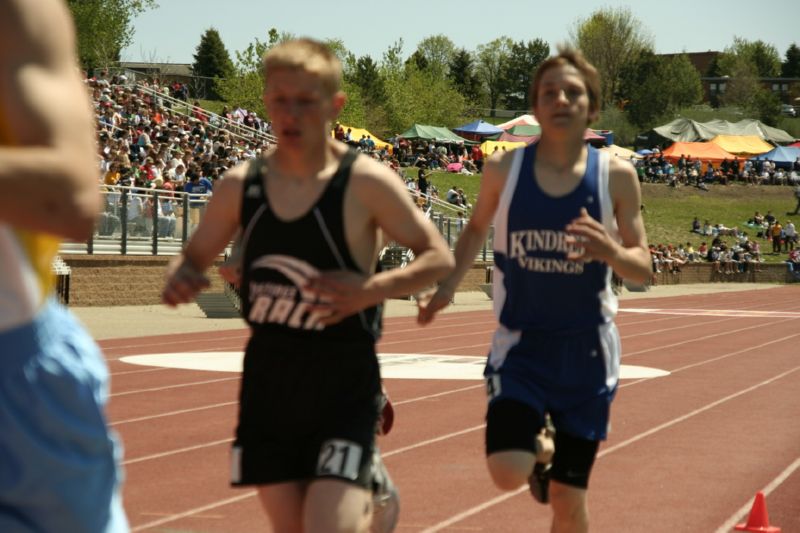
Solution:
(655, 168)
(145, 145)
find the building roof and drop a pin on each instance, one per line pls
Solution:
(176, 69)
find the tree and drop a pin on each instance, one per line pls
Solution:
(764, 57)
(610, 39)
(653, 87)
(491, 59)
(745, 91)
(354, 112)
(245, 85)
(434, 53)
(462, 76)
(420, 97)
(211, 58)
(791, 67)
(523, 60)
(104, 28)
(368, 80)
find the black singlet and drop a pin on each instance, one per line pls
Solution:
(279, 257)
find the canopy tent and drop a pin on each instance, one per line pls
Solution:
(524, 130)
(687, 130)
(782, 156)
(744, 145)
(479, 127)
(489, 147)
(356, 133)
(507, 137)
(433, 133)
(619, 151)
(704, 151)
(528, 120)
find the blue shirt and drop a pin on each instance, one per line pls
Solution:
(535, 286)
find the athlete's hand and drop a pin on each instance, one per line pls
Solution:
(592, 241)
(431, 302)
(183, 282)
(341, 293)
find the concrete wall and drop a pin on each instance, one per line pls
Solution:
(99, 280)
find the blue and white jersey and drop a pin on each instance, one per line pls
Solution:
(535, 286)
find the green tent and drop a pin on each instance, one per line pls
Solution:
(433, 133)
(687, 130)
(524, 130)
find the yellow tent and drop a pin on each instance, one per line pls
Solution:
(356, 133)
(742, 145)
(619, 151)
(489, 147)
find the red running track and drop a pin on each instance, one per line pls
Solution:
(687, 451)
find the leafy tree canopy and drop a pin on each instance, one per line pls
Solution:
(104, 28)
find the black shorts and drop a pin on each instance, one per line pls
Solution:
(308, 409)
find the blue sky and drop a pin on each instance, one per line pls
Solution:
(171, 32)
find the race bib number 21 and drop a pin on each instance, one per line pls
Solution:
(340, 458)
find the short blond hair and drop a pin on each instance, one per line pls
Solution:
(307, 55)
(574, 58)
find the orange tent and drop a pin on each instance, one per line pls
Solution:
(705, 152)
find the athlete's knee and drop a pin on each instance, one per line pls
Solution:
(570, 508)
(510, 469)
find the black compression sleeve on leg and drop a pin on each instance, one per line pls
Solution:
(511, 425)
(573, 460)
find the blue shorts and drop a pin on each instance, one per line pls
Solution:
(572, 376)
(58, 460)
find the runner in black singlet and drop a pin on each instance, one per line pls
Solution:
(310, 214)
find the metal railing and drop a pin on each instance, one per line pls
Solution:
(235, 129)
(142, 222)
(159, 222)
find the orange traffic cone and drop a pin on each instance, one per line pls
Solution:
(758, 520)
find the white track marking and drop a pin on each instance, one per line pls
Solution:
(473, 510)
(177, 451)
(715, 312)
(173, 413)
(741, 514)
(695, 339)
(433, 440)
(195, 511)
(718, 358)
(168, 387)
(478, 508)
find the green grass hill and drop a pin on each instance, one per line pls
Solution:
(668, 212)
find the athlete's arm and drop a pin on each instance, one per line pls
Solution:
(185, 275)
(630, 259)
(48, 171)
(389, 207)
(472, 238)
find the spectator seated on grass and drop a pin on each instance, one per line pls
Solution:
(793, 262)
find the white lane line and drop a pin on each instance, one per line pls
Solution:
(173, 413)
(739, 313)
(725, 333)
(715, 359)
(433, 441)
(485, 505)
(741, 514)
(195, 511)
(175, 452)
(168, 387)
(471, 511)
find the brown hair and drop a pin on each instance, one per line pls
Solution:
(307, 55)
(574, 58)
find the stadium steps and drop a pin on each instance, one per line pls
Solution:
(217, 305)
